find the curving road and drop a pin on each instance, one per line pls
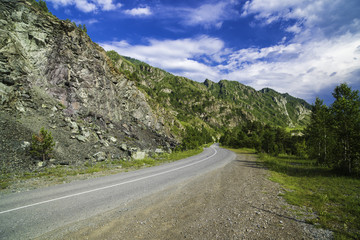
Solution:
(30, 214)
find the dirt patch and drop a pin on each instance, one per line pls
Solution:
(234, 202)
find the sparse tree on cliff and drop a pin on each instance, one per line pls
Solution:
(42, 144)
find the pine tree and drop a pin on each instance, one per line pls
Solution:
(42, 144)
(346, 114)
(319, 133)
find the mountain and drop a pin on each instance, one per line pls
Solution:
(102, 105)
(224, 104)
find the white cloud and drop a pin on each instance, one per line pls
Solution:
(330, 17)
(207, 15)
(86, 21)
(141, 11)
(326, 33)
(177, 56)
(87, 5)
(310, 68)
(108, 5)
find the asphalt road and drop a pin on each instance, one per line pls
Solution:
(31, 214)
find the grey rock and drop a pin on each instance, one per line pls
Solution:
(124, 147)
(104, 143)
(20, 108)
(81, 138)
(74, 127)
(139, 155)
(67, 119)
(100, 156)
(25, 145)
(86, 134)
(159, 151)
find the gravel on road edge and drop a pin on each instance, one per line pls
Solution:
(237, 201)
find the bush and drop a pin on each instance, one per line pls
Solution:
(42, 144)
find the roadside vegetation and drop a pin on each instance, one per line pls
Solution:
(318, 166)
(334, 198)
(59, 173)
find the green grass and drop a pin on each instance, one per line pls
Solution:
(58, 174)
(242, 150)
(334, 198)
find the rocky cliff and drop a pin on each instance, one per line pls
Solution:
(54, 76)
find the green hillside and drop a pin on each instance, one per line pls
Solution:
(217, 106)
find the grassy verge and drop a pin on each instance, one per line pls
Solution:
(242, 150)
(335, 199)
(59, 174)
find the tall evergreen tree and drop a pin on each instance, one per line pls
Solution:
(346, 114)
(319, 133)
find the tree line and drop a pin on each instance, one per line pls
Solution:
(264, 139)
(332, 136)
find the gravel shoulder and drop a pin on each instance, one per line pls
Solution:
(234, 202)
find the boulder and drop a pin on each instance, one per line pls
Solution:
(159, 151)
(139, 155)
(124, 147)
(100, 156)
(81, 138)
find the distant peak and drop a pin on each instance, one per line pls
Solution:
(208, 82)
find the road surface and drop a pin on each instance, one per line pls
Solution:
(31, 214)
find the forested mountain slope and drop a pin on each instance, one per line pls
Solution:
(221, 105)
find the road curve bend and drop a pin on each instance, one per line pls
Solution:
(28, 215)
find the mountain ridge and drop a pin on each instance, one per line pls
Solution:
(294, 110)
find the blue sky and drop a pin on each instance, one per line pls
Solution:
(302, 47)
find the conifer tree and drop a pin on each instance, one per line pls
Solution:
(346, 114)
(319, 133)
(42, 144)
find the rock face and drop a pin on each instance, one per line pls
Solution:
(40, 50)
(53, 75)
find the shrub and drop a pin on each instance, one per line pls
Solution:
(42, 144)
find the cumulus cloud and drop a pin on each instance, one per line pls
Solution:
(326, 33)
(179, 56)
(87, 5)
(328, 17)
(141, 11)
(86, 21)
(310, 68)
(207, 15)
